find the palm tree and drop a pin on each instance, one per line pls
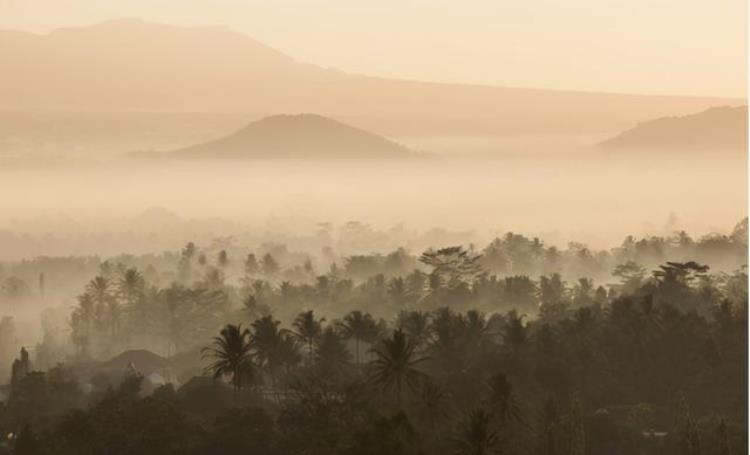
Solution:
(250, 306)
(274, 348)
(184, 269)
(308, 330)
(331, 353)
(433, 403)
(288, 351)
(106, 306)
(398, 291)
(415, 323)
(516, 333)
(395, 363)
(99, 288)
(475, 435)
(86, 306)
(503, 400)
(81, 322)
(447, 332)
(131, 289)
(286, 292)
(231, 354)
(131, 286)
(476, 326)
(177, 308)
(359, 326)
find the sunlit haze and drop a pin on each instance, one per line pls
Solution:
(687, 47)
(373, 227)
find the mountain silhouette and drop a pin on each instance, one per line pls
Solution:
(715, 128)
(133, 65)
(298, 137)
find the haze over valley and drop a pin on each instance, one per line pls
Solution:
(491, 158)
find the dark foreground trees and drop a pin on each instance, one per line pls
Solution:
(568, 386)
(652, 365)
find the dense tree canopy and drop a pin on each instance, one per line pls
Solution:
(455, 351)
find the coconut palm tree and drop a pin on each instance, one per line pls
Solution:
(331, 354)
(81, 320)
(286, 292)
(516, 333)
(131, 286)
(476, 326)
(308, 330)
(131, 289)
(416, 324)
(433, 403)
(502, 399)
(396, 363)
(398, 292)
(274, 348)
(86, 308)
(107, 307)
(359, 326)
(99, 288)
(231, 352)
(288, 351)
(475, 435)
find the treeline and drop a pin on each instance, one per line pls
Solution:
(120, 309)
(49, 279)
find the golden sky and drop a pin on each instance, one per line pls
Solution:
(691, 47)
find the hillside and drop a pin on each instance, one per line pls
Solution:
(132, 65)
(297, 136)
(715, 128)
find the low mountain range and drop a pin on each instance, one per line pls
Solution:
(136, 66)
(719, 128)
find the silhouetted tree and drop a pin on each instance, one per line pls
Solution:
(475, 434)
(308, 329)
(359, 326)
(396, 363)
(231, 352)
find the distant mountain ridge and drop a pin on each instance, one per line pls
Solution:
(133, 65)
(716, 128)
(303, 136)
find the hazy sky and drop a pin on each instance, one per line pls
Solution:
(650, 46)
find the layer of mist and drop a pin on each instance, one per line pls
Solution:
(595, 198)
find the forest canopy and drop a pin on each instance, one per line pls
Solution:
(516, 347)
